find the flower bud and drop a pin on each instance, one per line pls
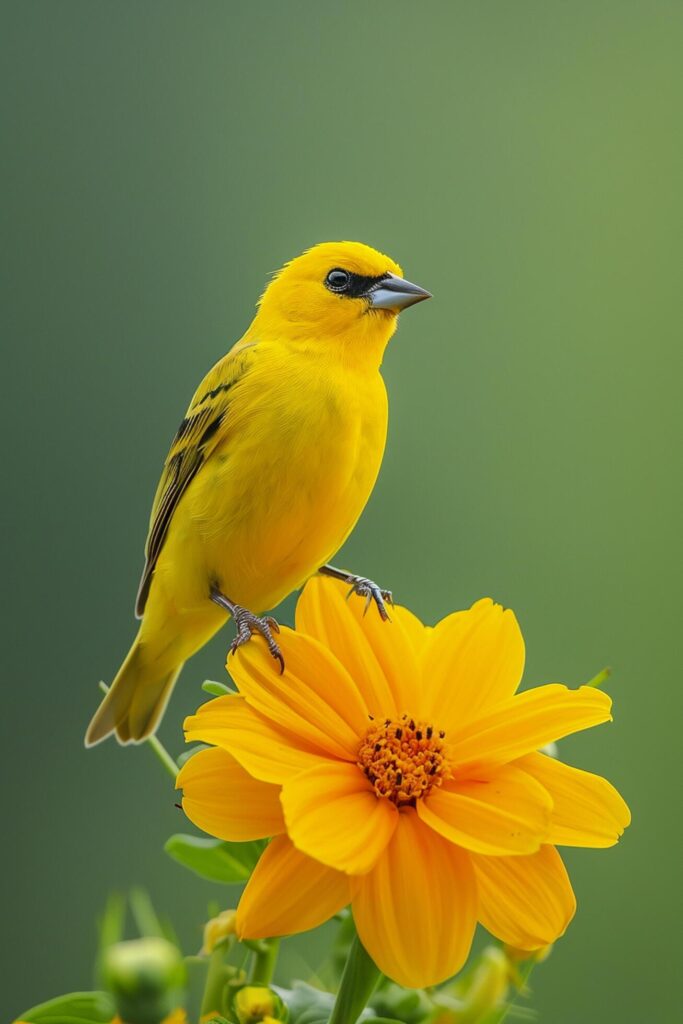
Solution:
(487, 987)
(218, 928)
(146, 978)
(255, 1003)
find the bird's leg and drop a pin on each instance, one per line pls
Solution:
(364, 588)
(246, 624)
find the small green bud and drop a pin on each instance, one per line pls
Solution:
(146, 977)
(255, 1003)
(487, 987)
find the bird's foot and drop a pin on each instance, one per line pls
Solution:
(371, 592)
(247, 624)
(364, 587)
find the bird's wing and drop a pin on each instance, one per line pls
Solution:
(196, 437)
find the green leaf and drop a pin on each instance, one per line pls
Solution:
(216, 689)
(358, 982)
(308, 1005)
(76, 1008)
(229, 863)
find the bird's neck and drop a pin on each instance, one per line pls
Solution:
(358, 346)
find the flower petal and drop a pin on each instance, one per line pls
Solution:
(417, 633)
(289, 892)
(587, 811)
(524, 723)
(415, 911)
(266, 751)
(508, 813)
(473, 661)
(524, 901)
(221, 798)
(314, 698)
(379, 655)
(333, 814)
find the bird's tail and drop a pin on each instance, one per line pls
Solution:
(136, 701)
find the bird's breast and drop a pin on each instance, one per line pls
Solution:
(289, 480)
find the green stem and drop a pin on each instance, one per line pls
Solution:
(157, 746)
(164, 756)
(215, 982)
(263, 966)
(357, 985)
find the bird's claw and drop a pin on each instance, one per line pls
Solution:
(371, 592)
(247, 624)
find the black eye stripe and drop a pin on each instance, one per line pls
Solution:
(358, 286)
(361, 285)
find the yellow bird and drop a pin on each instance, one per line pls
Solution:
(267, 474)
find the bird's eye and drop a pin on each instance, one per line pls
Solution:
(338, 280)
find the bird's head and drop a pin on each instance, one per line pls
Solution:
(345, 293)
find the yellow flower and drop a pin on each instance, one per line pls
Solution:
(399, 770)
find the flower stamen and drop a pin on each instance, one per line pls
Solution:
(403, 759)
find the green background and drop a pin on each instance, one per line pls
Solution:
(521, 160)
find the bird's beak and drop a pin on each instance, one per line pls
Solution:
(395, 293)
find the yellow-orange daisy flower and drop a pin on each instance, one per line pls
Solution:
(399, 770)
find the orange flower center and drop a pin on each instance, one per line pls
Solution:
(403, 759)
